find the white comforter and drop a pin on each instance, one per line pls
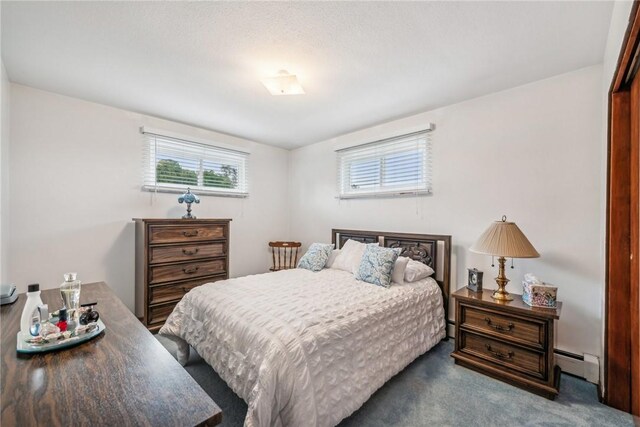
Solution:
(304, 348)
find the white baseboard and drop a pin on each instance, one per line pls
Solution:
(591, 368)
(570, 365)
(587, 368)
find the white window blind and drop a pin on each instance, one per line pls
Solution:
(390, 167)
(173, 164)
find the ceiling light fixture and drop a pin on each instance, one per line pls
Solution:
(283, 84)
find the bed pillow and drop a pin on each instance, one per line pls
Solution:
(377, 264)
(397, 275)
(350, 256)
(417, 271)
(316, 256)
(332, 257)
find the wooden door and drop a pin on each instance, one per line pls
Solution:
(622, 314)
(634, 246)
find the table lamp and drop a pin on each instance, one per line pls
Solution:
(504, 240)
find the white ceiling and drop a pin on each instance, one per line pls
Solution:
(360, 63)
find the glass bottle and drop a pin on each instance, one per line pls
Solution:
(70, 292)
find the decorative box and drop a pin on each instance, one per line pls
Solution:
(539, 294)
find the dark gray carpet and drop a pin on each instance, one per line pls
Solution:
(433, 391)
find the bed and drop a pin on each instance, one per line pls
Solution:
(305, 348)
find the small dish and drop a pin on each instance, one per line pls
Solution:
(22, 346)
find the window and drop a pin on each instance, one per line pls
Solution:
(173, 164)
(390, 167)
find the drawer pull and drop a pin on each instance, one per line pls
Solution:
(190, 270)
(185, 289)
(190, 252)
(499, 355)
(192, 233)
(500, 328)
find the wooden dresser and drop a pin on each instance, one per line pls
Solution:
(123, 377)
(510, 341)
(174, 256)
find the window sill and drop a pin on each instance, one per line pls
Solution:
(196, 190)
(385, 195)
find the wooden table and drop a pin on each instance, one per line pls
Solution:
(507, 340)
(124, 377)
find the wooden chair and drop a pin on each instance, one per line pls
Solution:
(285, 255)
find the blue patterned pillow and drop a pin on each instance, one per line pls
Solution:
(316, 257)
(377, 265)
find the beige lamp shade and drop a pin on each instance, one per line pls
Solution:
(504, 239)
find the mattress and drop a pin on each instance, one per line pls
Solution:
(306, 348)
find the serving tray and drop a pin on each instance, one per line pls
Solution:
(24, 347)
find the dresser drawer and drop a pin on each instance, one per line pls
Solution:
(161, 254)
(185, 233)
(525, 331)
(175, 291)
(505, 355)
(159, 313)
(174, 272)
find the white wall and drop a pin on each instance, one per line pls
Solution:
(532, 153)
(617, 29)
(76, 171)
(4, 172)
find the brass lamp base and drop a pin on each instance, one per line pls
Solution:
(501, 294)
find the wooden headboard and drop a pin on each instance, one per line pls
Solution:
(433, 250)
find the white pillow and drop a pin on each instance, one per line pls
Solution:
(397, 275)
(332, 257)
(350, 256)
(416, 271)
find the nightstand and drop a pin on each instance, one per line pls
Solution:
(509, 341)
